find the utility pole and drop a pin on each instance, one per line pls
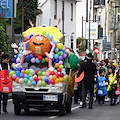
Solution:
(86, 19)
(22, 15)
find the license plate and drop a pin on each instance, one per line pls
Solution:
(50, 97)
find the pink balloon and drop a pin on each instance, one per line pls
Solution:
(27, 37)
(47, 74)
(18, 60)
(66, 76)
(14, 76)
(64, 55)
(21, 80)
(33, 60)
(60, 62)
(32, 33)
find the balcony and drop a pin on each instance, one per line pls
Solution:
(113, 26)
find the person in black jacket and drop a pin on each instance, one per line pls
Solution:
(4, 65)
(90, 71)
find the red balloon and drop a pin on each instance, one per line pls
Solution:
(40, 58)
(52, 82)
(57, 74)
(36, 72)
(24, 59)
(52, 73)
(58, 69)
(36, 79)
(61, 74)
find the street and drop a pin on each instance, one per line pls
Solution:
(101, 112)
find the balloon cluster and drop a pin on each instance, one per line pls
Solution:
(33, 77)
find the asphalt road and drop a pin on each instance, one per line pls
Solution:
(101, 112)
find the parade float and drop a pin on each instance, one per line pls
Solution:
(40, 72)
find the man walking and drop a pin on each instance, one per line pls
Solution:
(90, 71)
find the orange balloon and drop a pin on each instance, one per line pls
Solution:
(13, 64)
(39, 44)
(47, 59)
(23, 71)
(54, 77)
(17, 79)
(57, 65)
(10, 77)
(48, 71)
(40, 77)
(61, 79)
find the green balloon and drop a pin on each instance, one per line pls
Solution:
(58, 53)
(27, 71)
(20, 48)
(43, 60)
(25, 80)
(39, 73)
(43, 83)
(64, 78)
(12, 73)
(61, 66)
(44, 32)
(43, 73)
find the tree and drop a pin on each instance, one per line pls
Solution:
(30, 12)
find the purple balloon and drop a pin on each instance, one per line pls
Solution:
(67, 54)
(64, 55)
(14, 76)
(52, 59)
(23, 68)
(16, 69)
(48, 82)
(21, 75)
(60, 57)
(31, 55)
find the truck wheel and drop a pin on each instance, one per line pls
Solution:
(68, 105)
(62, 110)
(17, 109)
(27, 109)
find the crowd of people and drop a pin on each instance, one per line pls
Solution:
(101, 80)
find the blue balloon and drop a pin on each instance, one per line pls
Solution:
(28, 77)
(33, 83)
(19, 69)
(47, 34)
(53, 41)
(31, 36)
(55, 71)
(56, 50)
(25, 75)
(56, 56)
(14, 66)
(32, 72)
(43, 78)
(56, 61)
(9, 70)
(17, 73)
(27, 58)
(50, 37)
(37, 61)
(61, 53)
(31, 79)
(20, 55)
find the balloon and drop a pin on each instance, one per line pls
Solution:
(29, 83)
(64, 78)
(25, 80)
(32, 72)
(61, 75)
(17, 79)
(43, 77)
(54, 77)
(27, 37)
(56, 61)
(27, 58)
(52, 73)
(25, 75)
(31, 36)
(36, 72)
(56, 50)
(64, 55)
(60, 62)
(58, 69)
(17, 73)
(40, 77)
(56, 56)
(61, 66)
(50, 77)
(34, 76)
(39, 73)
(46, 59)
(33, 60)
(47, 74)
(23, 68)
(43, 60)
(61, 53)
(67, 53)
(47, 34)
(61, 79)
(27, 71)
(33, 83)
(28, 77)
(57, 65)
(58, 53)
(50, 37)
(52, 81)
(31, 79)
(44, 32)
(18, 59)
(37, 61)
(48, 71)
(60, 57)
(36, 79)
(39, 83)
(55, 71)
(21, 80)
(56, 80)
(52, 59)
(12, 72)
(60, 46)
(57, 74)
(40, 57)
(31, 55)
(23, 71)
(13, 64)
(14, 76)
(21, 75)
(43, 73)
(43, 83)
(20, 55)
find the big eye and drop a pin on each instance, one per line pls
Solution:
(8, 78)
(39, 38)
(2, 78)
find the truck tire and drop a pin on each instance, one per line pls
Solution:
(62, 110)
(17, 109)
(68, 105)
(27, 109)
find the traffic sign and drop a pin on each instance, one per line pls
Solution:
(97, 51)
(6, 8)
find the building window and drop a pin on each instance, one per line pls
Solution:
(55, 9)
(71, 11)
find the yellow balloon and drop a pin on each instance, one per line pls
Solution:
(69, 53)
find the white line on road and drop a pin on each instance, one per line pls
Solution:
(9, 100)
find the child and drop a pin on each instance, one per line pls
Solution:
(101, 86)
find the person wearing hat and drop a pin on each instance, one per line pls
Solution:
(90, 71)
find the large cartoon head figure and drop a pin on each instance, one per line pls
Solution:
(39, 44)
(5, 82)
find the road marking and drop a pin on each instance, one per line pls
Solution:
(52, 117)
(9, 100)
(75, 108)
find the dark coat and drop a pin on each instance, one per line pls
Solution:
(90, 70)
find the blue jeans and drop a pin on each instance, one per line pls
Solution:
(5, 98)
